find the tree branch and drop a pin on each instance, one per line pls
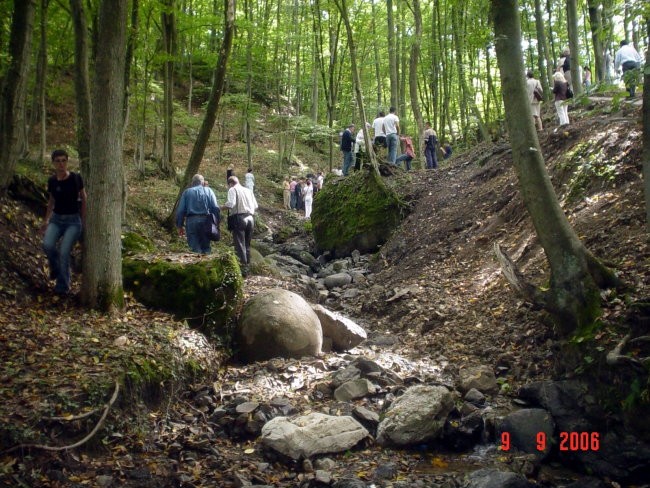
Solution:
(78, 443)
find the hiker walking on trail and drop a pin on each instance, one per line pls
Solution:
(195, 204)
(64, 218)
(535, 96)
(242, 206)
(430, 143)
(560, 89)
(391, 129)
(628, 60)
(347, 146)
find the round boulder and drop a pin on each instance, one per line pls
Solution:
(279, 323)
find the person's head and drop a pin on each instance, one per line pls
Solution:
(308, 182)
(392, 110)
(205, 183)
(381, 114)
(530, 74)
(624, 42)
(59, 156)
(351, 127)
(586, 68)
(197, 180)
(559, 76)
(427, 125)
(233, 180)
(566, 51)
(250, 170)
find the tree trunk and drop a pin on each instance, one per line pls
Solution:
(392, 56)
(14, 90)
(375, 50)
(646, 129)
(596, 38)
(41, 78)
(572, 22)
(218, 83)
(357, 90)
(168, 21)
(544, 64)
(81, 83)
(102, 277)
(575, 274)
(413, 76)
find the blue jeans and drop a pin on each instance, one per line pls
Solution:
(66, 228)
(431, 157)
(392, 140)
(348, 161)
(404, 157)
(196, 236)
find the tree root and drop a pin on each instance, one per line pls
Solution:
(90, 435)
(517, 280)
(615, 356)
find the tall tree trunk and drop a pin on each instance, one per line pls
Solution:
(14, 90)
(218, 83)
(102, 277)
(413, 75)
(544, 64)
(392, 56)
(646, 127)
(315, 80)
(41, 80)
(168, 21)
(576, 274)
(81, 83)
(343, 10)
(572, 22)
(375, 51)
(596, 38)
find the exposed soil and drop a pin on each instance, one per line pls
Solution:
(455, 309)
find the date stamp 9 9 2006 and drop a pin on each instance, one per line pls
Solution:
(567, 441)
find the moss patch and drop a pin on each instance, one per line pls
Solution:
(355, 212)
(205, 291)
(133, 242)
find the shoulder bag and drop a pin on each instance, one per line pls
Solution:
(211, 224)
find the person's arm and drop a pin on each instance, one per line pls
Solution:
(48, 212)
(180, 215)
(82, 210)
(232, 198)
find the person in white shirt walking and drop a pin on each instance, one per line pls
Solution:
(308, 196)
(378, 130)
(391, 129)
(249, 180)
(629, 60)
(242, 205)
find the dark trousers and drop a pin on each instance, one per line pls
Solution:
(431, 157)
(630, 75)
(242, 235)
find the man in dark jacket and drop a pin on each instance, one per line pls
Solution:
(347, 146)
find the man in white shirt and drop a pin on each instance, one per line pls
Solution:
(391, 129)
(629, 60)
(249, 180)
(378, 130)
(242, 205)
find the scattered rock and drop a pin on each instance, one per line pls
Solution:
(312, 434)
(417, 416)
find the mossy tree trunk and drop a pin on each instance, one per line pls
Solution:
(576, 274)
(14, 90)
(102, 277)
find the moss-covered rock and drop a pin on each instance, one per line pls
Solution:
(133, 242)
(204, 290)
(355, 212)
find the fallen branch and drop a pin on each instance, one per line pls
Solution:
(516, 278)
(90, 435)
(72, 418)
(615, 356)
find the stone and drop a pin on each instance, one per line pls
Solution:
(475, 397)
(354, 389)
(523, 427)
(312, 434)
(344, 333)
(493, 478)
(337, 280)
(417, 416)
(278, 323)
(480, 377)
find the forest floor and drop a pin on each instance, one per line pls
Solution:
(438, 291)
